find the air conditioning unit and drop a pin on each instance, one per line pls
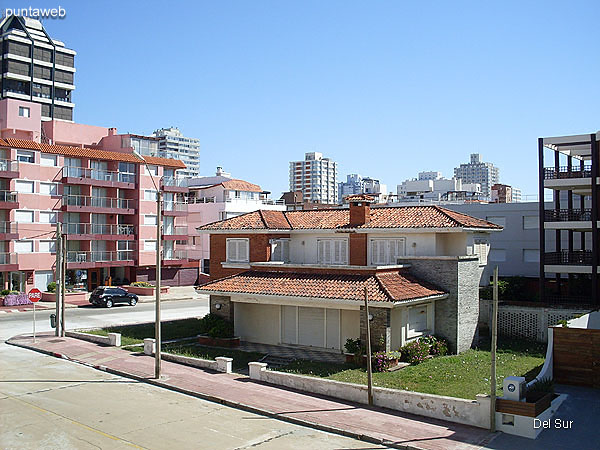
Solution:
(514, 388)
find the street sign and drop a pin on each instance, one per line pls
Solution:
(34, 295)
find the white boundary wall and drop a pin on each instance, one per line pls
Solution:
(220, 364)
(113, 339)
(467, 412)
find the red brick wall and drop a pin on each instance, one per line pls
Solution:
(358, 249)
(359, 215)
(260, 251)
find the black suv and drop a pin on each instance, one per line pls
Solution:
(108, 296)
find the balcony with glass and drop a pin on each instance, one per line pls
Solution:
(175, 208)
(93, 231)
(9, 169)
(179, 232)
(9, 231)
(9, 261)
(174, 184)
(90, 259)
(8, 200)
(97, 177)
(174, 257)
(107, 205)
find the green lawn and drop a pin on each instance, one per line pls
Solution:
(463, 376)
(135, 334)
(240, 358)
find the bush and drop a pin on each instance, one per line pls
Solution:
(16, 300)
(216, 327)
(437, 346)
(415, 351)
(382, 361)
(142, 284)
(5, 292)
(51, 287)
(542, 386)
(352, 346)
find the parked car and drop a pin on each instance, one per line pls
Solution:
(108, 296)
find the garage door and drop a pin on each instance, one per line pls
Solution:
(316, 327)
(311, 326)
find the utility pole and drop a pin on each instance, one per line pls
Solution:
(494, 345)
(158, 282)
(58, 274)
(369, 368)
(63, 289)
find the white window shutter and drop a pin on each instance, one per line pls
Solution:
(337, 251)
(285, 250)
(243, 250)
(344, 252)
(231, 250)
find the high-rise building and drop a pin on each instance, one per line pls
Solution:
(355, 184)
(36, 68)
(316, 177)
(174, 145)
(477, 171)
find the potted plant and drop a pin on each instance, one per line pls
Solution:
(353, 350)
(145, 288)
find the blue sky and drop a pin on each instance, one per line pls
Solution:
(387, 89)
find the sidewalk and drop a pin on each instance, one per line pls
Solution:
(369, 424)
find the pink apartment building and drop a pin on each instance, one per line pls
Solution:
(102, 188)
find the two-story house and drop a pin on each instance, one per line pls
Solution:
(299, 277)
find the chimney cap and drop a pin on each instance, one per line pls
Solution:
(360, 198)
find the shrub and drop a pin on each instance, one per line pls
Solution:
(382, 361)
(142, 284)
(352, 346)
(216, 327)
(541, 386)
(16, 300)
(4, 292)
(415, 351)
(51, 287)
(437, 346)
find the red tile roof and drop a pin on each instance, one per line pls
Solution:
(92, 153)
(390, 217)
(241, 185)
(394, 286)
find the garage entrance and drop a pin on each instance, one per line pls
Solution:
(314, 327)
(576, 356)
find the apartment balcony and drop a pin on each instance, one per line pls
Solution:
(177, 233)
(8, 200)
(9, 231)
(106, 205)
(174, 258)
(9, 262)
(200, 200)
(9, 169)
(565, 219)
(98, 178)
(575, 178)
(174, 184)
(99, 232)
(255, 201)
(92, 259)
(172, 208)
(578, 261)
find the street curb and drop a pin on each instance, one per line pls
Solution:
(229, 403)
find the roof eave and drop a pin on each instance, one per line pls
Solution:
(421, 299)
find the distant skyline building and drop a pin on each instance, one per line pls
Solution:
(503, 193)
(431, 186)
(355, 184)
(316, 177)
(477, 171)
(173, 144)
(36, 68)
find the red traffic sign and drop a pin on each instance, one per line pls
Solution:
(35, 295)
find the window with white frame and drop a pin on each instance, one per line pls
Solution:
(24, 111)
(280, 250)
(24, 216)
(480, 248)
(150, 194)
(25, 156)
(150, 219)
(419, 320)
(48, 216)
(150, 245)
(23, 246)
(531, 223)
(387, 251)
(48, 246)
(48, 159)
(332, 251)
(152, 170)
(26, 187)
(237, 250)
(49, 188)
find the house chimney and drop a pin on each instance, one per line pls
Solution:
(360, 209)
(112, 131)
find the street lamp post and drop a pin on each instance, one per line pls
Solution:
(158, 281)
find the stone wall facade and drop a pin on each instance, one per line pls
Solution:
(456, 317)
(381, 328)
(226, 310)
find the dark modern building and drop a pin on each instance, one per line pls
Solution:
(36, 67)
(568, 166)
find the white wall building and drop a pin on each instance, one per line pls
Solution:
(432, 187)
(477, 171)
(174, 145)
(316, 178)
(355, 184)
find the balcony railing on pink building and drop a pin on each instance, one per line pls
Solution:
(96, 174)
(175, 206)
(9, 228)
(99, 256)
(6, 165)
(175, 230)
(8, 196)
(8, 258)
(174, 181)
(98, 202)
(174, 255)
(98, 228)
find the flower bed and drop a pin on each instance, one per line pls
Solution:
(219, 341)
(16, 300)
(69, 296)
(146, 290)
(533, 407)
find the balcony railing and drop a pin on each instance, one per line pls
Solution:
(202, 200)
(99, 256)
(174, 255)
(6, 165)
(175, 231)
(565, 257)
(96, 174)
(98, 202)
(174, 206)
(9, 227)
(8, 258)
(568, 215)
(550, 173)
(174, 181)
(257, 201)
(8, 196)
(98, 228)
